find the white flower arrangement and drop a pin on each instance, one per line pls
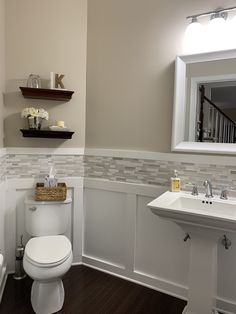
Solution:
(34, 112)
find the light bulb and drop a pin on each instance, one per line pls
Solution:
(231, 39)
(194, 37)
(217, 33)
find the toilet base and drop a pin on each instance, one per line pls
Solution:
(47, 297)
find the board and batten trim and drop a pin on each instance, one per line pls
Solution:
(129, 272)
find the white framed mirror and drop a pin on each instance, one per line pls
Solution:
(204, 115)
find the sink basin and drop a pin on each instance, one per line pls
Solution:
(198, 210)
(205, 220)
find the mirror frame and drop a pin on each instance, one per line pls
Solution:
(178, 144)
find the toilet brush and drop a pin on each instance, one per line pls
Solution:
(19, 270)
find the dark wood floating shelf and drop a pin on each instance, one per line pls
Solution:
(47, 133)
(46, 93)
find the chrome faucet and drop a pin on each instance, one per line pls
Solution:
(208, 188)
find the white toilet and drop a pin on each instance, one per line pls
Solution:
(48, 255)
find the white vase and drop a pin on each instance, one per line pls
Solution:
(35, 123)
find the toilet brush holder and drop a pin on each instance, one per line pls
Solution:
(19, 269)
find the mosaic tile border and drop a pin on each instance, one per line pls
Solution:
(132, 170)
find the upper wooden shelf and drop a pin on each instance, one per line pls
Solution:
(44, 93)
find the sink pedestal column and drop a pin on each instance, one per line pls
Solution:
(202, 272)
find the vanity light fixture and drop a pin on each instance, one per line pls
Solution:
(214, 14)
(214, 37)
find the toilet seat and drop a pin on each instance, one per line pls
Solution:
(48, 251)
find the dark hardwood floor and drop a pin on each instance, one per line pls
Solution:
(91, 291)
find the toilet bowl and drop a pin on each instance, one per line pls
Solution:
(48, 254)
(46, 260)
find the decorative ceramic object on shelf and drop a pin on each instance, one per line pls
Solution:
(60, 123)
(35, 117)
(34, 81)
(56, 80)
(57, 128)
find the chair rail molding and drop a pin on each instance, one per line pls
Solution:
(177, 157)
(3, 152)
(148, 155)
(44, 151)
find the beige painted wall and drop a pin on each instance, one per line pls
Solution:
(132, 46)
(2, 67)
(44, 36)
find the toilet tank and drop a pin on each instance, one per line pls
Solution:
(46, 218)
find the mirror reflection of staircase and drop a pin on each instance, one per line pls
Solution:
(213, 124)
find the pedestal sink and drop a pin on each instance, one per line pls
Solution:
(206, 220)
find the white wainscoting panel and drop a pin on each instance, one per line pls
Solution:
(124, 238)
(113, 230)
(160, 250)
(105, 226)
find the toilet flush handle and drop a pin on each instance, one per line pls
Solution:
(33, 208)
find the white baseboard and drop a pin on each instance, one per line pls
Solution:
(226, 306)
(77, 264)
(77, 260)
(158, 284)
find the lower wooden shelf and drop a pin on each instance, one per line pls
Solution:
(47, 133)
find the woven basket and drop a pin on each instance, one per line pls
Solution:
(57, 193)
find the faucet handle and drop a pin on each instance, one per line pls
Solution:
(195, 190)
(224, 194)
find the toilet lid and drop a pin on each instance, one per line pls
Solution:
(49, 249)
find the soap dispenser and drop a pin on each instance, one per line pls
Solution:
(175, 182)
